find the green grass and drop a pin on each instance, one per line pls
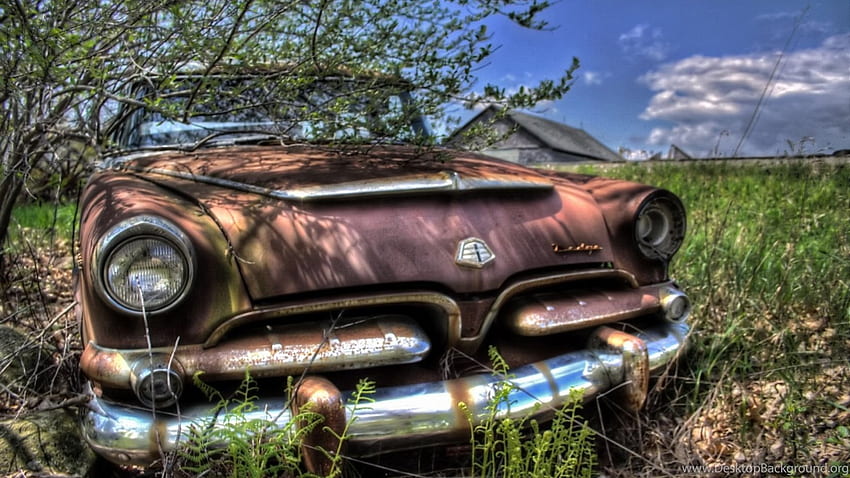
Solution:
(763, 242)
(767, 264)
(41, 221)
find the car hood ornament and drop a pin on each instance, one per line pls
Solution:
(473, 252)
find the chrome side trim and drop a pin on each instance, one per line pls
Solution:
(405, 417)
(443, 181)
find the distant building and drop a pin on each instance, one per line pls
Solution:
(634, 154)
(676, 153)
(534, 140)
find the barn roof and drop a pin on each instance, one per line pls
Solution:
(554, 135)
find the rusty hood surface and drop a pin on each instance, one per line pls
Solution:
(303, 219)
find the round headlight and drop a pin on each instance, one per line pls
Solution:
(144, 264)
(660, 226)
(146, 273)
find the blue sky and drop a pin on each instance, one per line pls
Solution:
(690, 73)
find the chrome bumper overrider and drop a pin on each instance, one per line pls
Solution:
(402, 417)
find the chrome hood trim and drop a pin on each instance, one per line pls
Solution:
(405, 417)
(440, 182)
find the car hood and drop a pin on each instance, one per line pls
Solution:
(303, 219)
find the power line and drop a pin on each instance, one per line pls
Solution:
(768, 88)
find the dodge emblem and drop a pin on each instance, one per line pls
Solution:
(473, 252)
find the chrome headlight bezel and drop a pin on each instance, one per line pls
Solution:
(145, 227)
(660, 225)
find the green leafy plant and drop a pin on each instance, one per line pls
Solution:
(362, 395)
(42, 224)
(236, 443)
(507, 447)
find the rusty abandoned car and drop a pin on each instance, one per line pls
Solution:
(212, 245)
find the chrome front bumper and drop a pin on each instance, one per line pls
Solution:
(398, 418)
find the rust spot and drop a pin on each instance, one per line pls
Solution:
(635, 355)
(107, 369)
(545, 314)
(459, 391)
(319, 395)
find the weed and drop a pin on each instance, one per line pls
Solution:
(235, 443)
(507, 447)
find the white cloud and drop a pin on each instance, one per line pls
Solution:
(592, 78)
(707, 98)
(644, 41)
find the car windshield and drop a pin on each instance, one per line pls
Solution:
(245, 109)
